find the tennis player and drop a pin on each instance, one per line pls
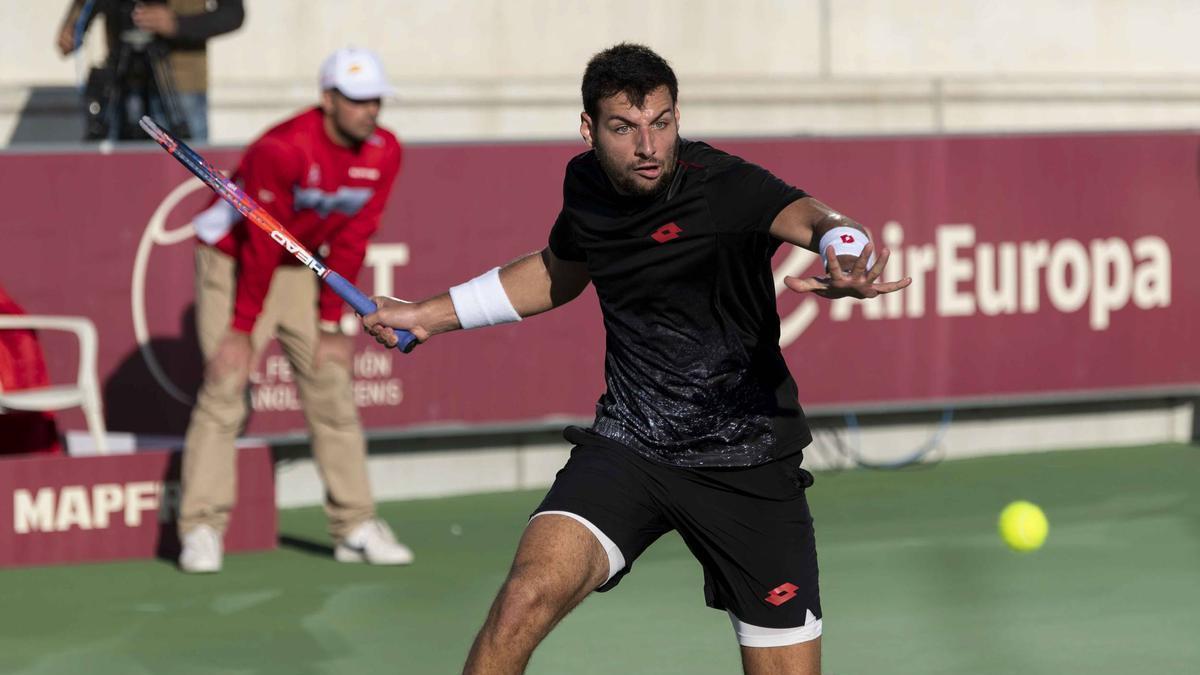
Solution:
(699, 430)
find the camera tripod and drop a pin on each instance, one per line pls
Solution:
(139, 73)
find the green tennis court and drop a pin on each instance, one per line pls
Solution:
(915, 580)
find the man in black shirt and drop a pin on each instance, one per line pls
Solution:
(699, 430)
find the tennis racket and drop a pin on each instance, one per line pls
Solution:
(230, 192)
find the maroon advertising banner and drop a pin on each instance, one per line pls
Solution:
(83, 509)
(1042, 265)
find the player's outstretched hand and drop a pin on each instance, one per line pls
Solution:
(391, 314)
(849, 277)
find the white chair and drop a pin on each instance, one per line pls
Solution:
(85, 393)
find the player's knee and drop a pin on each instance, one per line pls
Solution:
(529, 600)
(523, 595)
(520, 609)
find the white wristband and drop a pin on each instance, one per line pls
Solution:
(483, 302)
(845, 241)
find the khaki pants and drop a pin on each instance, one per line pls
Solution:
(209, 457)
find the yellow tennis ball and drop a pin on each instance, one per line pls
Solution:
(1023, 526)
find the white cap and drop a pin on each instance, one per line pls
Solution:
(356, 73)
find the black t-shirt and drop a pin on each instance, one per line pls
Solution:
(693, 368)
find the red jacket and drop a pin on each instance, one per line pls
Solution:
(23, 366)
(323, 193)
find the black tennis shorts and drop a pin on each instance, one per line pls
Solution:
(750, 528)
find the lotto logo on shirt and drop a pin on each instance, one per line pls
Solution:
(666, 233)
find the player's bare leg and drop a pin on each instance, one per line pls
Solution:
(558, 563)
(803, 658)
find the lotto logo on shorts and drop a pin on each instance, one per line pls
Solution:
(781, 594)
(847, 239)
(666, 233)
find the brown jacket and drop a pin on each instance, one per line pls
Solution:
(189, 54)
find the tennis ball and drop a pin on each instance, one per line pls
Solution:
(1023, 526)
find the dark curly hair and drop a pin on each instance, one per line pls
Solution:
(628, 68)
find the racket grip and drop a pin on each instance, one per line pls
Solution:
(363, 305)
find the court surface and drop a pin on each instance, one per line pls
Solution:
(914, 580)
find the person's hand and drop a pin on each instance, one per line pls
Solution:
(233, 356)
(849, 277)
(157, 19)
(392, 314)
(335, 348)
(66, 38)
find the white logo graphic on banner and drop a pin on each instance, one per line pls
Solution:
(992, 279)
(94, 507)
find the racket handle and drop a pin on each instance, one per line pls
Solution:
(363, 305)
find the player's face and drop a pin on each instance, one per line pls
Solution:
(636, 146)
(349, 121)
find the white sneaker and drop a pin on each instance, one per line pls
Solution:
(202, 550)
(374, 543)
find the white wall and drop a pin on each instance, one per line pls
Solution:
(1017, 38)
(510, 69)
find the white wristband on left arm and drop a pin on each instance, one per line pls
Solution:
(845, 241)
(482, 301)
